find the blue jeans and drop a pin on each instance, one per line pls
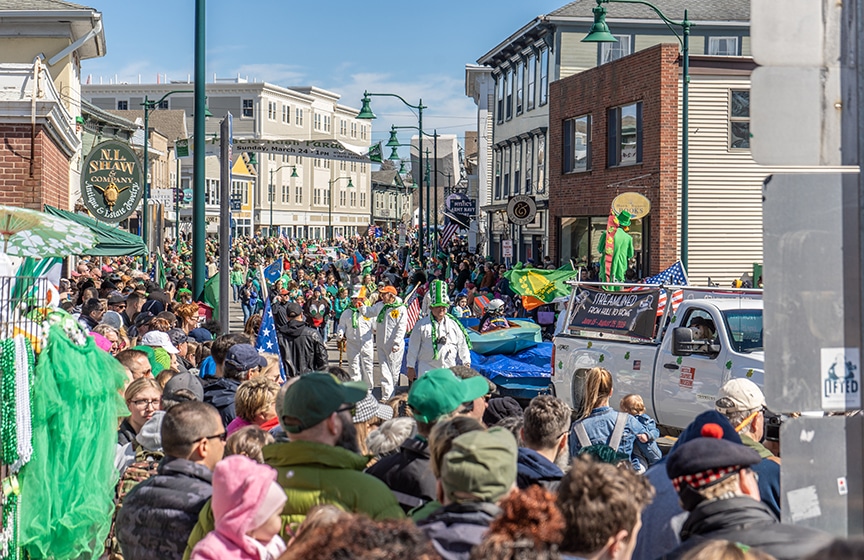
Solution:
(235, 288)
(247, 311)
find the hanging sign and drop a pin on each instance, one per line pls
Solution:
(521, 209)
(112, 181)
(636, 204)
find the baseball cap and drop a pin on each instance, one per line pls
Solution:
(439, 392)
(480, 465)
(158, 339)
(293, 309)
(244, 357)
(143, 318)
(314, 397)
(388, 290)
(283, 292)
(177, 336)
(116, 298)
(369, 408)
(739, 395)
(184, 380)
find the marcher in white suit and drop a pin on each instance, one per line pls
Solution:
(439, 340)
(358, 333)
(390, 318)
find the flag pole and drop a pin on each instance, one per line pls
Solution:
(263, 283)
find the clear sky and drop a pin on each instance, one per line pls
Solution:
(411, 48)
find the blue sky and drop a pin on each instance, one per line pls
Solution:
(414, 49)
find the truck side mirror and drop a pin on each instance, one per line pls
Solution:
(682, 341)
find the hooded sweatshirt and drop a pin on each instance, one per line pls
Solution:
(240, 488)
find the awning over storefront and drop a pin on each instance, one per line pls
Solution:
(111, 241)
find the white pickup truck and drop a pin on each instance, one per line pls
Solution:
(678, 377)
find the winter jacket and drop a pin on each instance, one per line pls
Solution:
(744, 520)
(302, 348)
(455, 529)
(533, 468)
(221, 395)
(158, 514)
(313, 474)
(407, 474)
(240, 486)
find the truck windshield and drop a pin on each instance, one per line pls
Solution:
(745, 329)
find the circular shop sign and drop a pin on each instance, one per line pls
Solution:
(637, 205)
(521, 209)
(112, 181)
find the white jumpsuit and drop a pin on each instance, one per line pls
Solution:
(453, 352)
(359, 345)
(389, 335)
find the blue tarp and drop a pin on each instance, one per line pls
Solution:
(533, 362)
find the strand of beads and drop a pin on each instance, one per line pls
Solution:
(9, 450)
(24, 361)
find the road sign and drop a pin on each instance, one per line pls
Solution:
(507, 247)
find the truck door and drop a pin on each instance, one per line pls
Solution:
(686, 386)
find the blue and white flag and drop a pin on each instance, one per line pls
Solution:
(674, 275)
(273, 272)
(267, 340)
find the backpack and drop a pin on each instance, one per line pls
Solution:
(607, 452)
(145, 466)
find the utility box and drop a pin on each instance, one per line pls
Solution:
(821, 474)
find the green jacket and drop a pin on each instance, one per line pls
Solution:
(237, 278)
(313, 474)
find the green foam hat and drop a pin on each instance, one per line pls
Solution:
(438, 294)
(624, 218)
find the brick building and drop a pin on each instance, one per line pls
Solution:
(632, 144)
(619, 123)
(42, 44)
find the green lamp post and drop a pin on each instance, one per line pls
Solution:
(271, 194)
(366, 113)
(600, 34)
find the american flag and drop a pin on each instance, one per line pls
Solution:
(674, 275)
(449, 231)
(413, 305)
(371, 230)
(267, 341)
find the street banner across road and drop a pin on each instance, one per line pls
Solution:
(321, 149)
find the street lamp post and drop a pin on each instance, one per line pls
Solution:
(272, 193)
(149, 105)
(199, 215)
(330, 196)
(600, 34)
(366, 113)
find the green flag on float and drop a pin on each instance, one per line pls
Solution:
(211, 294)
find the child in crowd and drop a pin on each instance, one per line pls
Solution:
(647, 453)
(461, 309)
(247, 505)
(248, 441)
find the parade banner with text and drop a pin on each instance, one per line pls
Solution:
(625, 313)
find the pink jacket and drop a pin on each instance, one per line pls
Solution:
(239, 486)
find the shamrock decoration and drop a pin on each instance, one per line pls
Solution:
(601, 358)
(627, 356)
(590, 344)
(750, 372)
(729, 364)
(678, 361)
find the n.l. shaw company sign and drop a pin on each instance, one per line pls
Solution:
(112, 181)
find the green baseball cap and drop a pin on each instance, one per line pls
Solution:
(438, 392)
(481, 465)
(314, 397)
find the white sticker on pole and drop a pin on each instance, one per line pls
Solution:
(840, 376)
(507, 246)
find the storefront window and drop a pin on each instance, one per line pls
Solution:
(580, 237)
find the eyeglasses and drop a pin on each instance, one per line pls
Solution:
(352, 408)
(144, 403)
(222, 437)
